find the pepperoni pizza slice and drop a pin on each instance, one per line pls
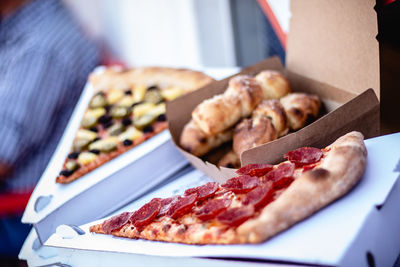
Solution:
(260, 202)
(128, 108)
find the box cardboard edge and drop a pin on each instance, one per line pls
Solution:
(302, 137)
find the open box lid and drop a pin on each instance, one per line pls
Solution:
(334, 42)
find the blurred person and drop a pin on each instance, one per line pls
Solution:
(44, 62)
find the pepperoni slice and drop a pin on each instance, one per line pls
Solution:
(116, 222)
(182, 206)
(236, 216)
(146, 214)
(241, 184)
(260, 196)
(303, 156)
(212, 208)
(283, 183)
(285, 169)
(255, 169)
(166, 204)
(204, 191)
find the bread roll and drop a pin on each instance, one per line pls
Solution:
(253, 132)
(230, 160)
(248, 90)
(196, 142)
(299, 108)
(274, 84)
(222, 111)
(269, 120)
(273, 110)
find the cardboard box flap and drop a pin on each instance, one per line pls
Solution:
(337, 105)
(364, 118)
(334, 42)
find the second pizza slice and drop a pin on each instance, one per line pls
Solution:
(128, 108)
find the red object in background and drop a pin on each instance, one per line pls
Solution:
(386, 2)
(13, 203)
(109, 59)
(277, 27)
(112, 62)
(274, 21)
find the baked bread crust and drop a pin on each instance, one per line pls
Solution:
(274, 110)
(269, 120)
(241, 99)
(300, 108)
(274, 84)
(253, 132)
(230, 160)
(336, 174)
(163, 77)
(218, 113)
(113, 77)
(196, 142)
(222, 111)
(247, 89)
(243, 95)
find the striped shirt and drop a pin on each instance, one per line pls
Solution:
(44, 62)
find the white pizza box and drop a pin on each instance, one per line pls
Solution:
(360, 229)
(36, 254)
(108, 187)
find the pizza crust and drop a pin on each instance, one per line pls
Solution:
(337, 173)
(163, 77)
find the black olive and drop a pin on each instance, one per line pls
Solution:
(94, 151)
(66, 173)
(126, 121)
(108, 107)
(148, 129)
(104, 119)
(153, 87)
(108, 124)
(128, 92)
(162, 117)
(127, 142)
(94, 129)
(73, 155)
